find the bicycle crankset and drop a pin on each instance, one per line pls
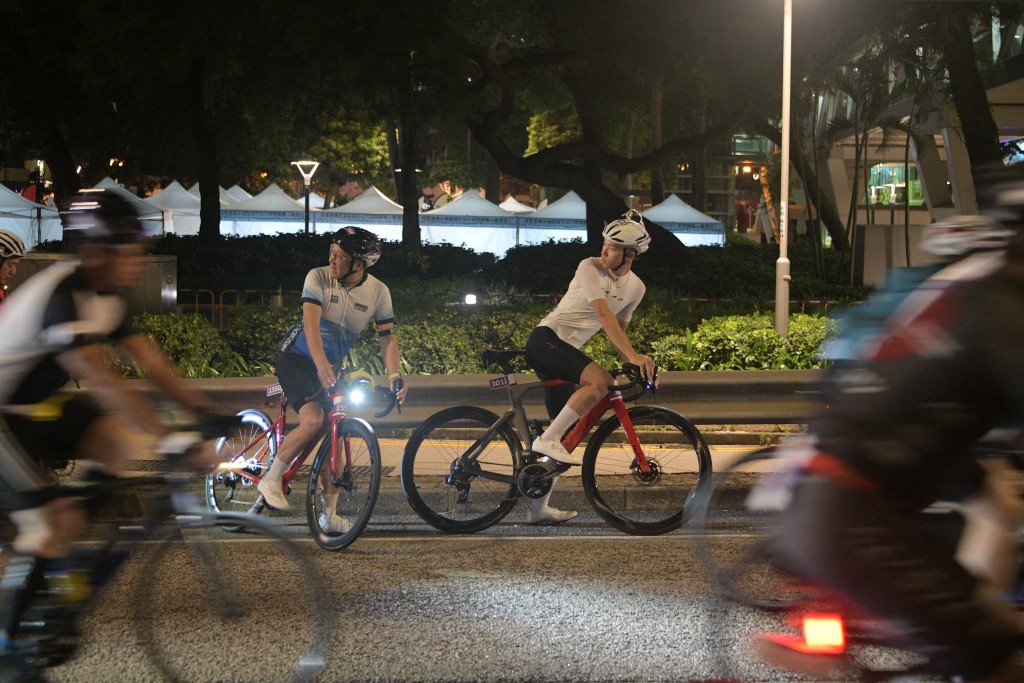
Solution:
(535, 480)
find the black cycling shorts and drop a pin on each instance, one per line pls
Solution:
(891, 563)
(552, 358)
(56, 437)
(299, 380)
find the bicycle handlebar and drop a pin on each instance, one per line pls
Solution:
(392, 397)
(635, 380)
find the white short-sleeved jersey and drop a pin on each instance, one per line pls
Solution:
(574, 320)
(49, 314)
(345, 313)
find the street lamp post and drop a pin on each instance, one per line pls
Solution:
(306, 170)
(782, 276)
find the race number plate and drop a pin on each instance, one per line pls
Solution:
(502, 381)
(274, 390)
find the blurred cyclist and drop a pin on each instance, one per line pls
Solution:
(601, 296)
(338, 301)
(54, 327)
(950, 240)
(947, 367)
(12, 250)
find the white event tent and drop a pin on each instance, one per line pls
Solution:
(226, 198)
(513, 205)
(32, 222)
(146, 211)
(371, 210)
(693, 228)
(180, 207)
(471, 220)
(561, 220)
(268, 213)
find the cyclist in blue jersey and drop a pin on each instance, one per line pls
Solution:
(338, 301)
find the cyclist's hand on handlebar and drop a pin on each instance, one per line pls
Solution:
(646, 365)
(398, 387)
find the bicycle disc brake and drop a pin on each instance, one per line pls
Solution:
(652, 474)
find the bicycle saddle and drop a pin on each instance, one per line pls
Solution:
(502, 359)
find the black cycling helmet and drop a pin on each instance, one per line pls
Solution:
(358, 243)
(102, 216)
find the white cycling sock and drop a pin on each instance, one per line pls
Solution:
(560, 424)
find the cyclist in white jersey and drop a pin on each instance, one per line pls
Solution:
(338, 301)
(602, 295)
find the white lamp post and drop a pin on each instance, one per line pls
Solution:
(782, 277)
(306, 170)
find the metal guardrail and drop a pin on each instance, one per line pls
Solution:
(719, 398)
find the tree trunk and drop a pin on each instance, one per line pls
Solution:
(391, 131)
(492, 184)
(407, 182)
(657, 172)
(206, 152)
(967, 89)
(827, 212)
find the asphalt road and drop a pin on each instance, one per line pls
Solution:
(569, 604)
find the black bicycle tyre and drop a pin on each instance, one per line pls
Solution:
(431, 497)
(254, 422)
(164, 585)
(612, 496)
(748, 577)
(357, 497)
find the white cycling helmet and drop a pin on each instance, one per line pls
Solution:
(962, 235)
(628, 232)
(11, 245)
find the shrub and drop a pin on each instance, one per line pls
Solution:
(256, 331)
(191, 342)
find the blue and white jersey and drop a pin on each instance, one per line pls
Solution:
(345, 313)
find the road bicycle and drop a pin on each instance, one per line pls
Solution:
(345, 474)
(200, 613)
(464, 468)
(803, 627)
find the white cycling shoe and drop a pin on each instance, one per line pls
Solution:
(555, 451)
(273, 494)
(548, 515)
(333, 523)
(330, 520)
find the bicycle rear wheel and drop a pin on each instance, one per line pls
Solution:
(340, 500)
(735, 538)
(202, 614)
(449, 492)
(249, 450)
(656, 501)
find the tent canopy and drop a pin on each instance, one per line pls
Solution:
(569, 207)
(372, 201)
(513, 205)
(692, 227)
(32, 222)
(470, 203)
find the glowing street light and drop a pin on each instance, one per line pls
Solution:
(782, 276)
(306, 170)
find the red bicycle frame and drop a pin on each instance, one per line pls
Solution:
(613, 400)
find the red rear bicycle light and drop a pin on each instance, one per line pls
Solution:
(824, 633)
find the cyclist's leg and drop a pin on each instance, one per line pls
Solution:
(298, 380)
(887, 562)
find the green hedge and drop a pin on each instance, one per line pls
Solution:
(450, 341)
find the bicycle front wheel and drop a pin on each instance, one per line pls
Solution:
(248, 451)
(340, 497)
(453, 493)
(202, 616)
(652, 500)
(735, 539)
